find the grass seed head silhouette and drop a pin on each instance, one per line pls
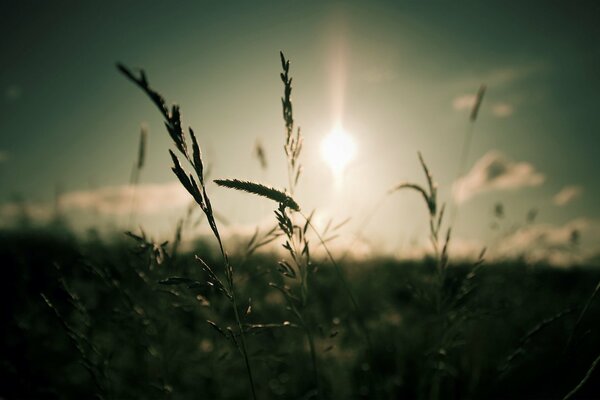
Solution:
(260, 190)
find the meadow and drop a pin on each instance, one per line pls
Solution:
(120, 316)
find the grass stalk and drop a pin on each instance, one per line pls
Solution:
(244, 346)
(345, 285)
(581, 314)
(466, 147)
(136, 171)
(195, 187)
(584, 380)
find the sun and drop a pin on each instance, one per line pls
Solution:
(338, 150)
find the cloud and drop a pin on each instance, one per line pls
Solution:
(567, 195)
(494, 171)
(571, 243)
(117, 200)
(502, 110)
(22, 210)
(464, 102)
(3, 156)
(109, 200)
(467, 101)
(493, 79)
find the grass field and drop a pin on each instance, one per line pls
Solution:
(114, 332)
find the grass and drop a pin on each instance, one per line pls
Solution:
(298, 269)
(196, 188)
(136, 170)
(151, 338)
(128, 317)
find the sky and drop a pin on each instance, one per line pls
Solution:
(398, 76)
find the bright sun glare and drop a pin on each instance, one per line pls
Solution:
(338, 149)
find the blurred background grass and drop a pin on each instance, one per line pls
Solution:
(143, 339)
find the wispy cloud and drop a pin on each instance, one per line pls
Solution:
(109, 200)
(495, 78)
(567, 194)
(13, 211)
(494, 171)
(574, 242)
(149, 199)
(464, 102)
(502, 110)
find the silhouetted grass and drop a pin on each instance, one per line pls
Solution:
(151, 339)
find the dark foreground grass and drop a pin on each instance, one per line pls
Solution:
(110, 329)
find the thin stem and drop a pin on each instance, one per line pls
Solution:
(233, 300)
(584, 380)
(243, 340)
(464, 157)
(311, 344)
(173, 124)
(581, 314)
(313, 356)
(302, 269)
(229, 273)
(290, 179)
(135, 176)
(345, 284)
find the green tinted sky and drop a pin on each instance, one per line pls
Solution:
(69, 118)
